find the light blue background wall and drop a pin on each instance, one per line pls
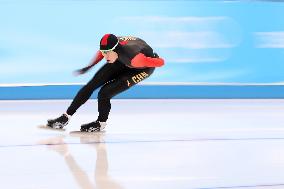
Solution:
(208, 41)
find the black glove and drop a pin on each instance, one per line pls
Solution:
(155, 55)
(82, 70)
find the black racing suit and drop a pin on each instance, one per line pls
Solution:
(114, 78)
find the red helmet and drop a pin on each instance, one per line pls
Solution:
(108, 42)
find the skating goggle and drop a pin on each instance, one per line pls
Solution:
(106, 51)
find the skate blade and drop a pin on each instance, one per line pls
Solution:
(49, 128)
(81, 133)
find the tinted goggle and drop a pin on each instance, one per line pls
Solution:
(106, 51)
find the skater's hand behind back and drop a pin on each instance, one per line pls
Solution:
(81, 71)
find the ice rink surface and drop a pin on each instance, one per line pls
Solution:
(148, 144)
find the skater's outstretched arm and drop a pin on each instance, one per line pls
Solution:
(98, 57)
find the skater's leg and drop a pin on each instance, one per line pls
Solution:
(109, 90)
(105, 74)
(122, 83)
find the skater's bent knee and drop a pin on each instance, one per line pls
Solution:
(103, 95)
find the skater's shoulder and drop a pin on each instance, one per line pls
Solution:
(128, 38)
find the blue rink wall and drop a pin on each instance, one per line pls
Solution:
(149, 92)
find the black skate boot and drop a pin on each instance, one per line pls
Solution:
(58, 123)
(96, 126)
